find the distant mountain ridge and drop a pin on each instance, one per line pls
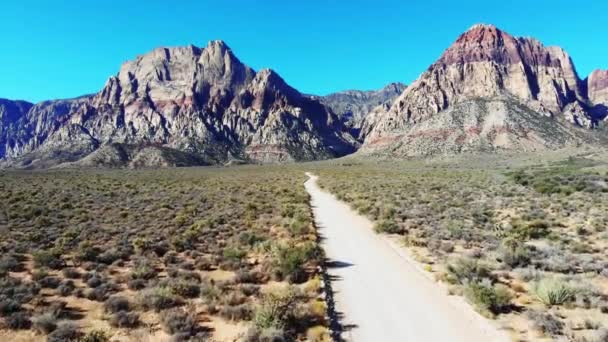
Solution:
(479, 96)
(488, 92)
(353, 105)
(202, 102)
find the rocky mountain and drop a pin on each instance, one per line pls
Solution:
(184, 104)
(488, 91)
(10, 113)
(353, 105)
(597, 87)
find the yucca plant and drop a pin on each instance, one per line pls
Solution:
(552, 291)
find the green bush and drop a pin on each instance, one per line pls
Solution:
(234, 253)
(143, 269)
(489, 298)
(87, 252)
(158, 298)
(178, 321)
(387, 226)
(48, 259)
(95, 336)
(289, 261)
(552, 291)
(185, 288)
(465, 271)
(298, 226)
(275, 309)
(533, 230)
(123, 319)
(45, 323)
(18, 321)
(514, 253)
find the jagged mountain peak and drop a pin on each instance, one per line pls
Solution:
(484, 63)
(489, 43)
(201, 101)
(481, 26)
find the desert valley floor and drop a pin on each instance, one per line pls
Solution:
(513, 246)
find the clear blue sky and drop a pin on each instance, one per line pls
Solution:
(64, 48)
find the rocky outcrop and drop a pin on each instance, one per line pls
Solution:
(486, 64)
(597, 87)
(203, 102)
(352, 106)
(10, 114)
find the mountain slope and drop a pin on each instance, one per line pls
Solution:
(518, 76)
(202, 102)
(353, 105)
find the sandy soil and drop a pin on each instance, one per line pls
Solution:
(380, 293)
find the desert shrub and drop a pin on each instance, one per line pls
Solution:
(273, 334)
(204, 263)
(45, 323)
(18, 321)
(299, 225)
(136, 284)
(388, 226)
(318, 334)
(514, 254)
(9, 306)
(234, 254)
(249, 289)
(70, 273)
(115, 304)
(123, 319)
(143, 269)
(240, 312)
(275, 310)
(553, 259)
(248, 238)
(185, 288)
(95, 336)
(66, 288)
(244, 276)
(210, 292)
(171, 258)
(532, 230)
(87, 252)
(546, 323)
(489, 298)
(158, 298)
(65, 332)
(100, 293)
(8, 263)
(234, 298)
(49, 259)
(39, 274)
(552, 291)
(94, 281)
(17, 290)
(56, 308)
(178, 321)
(109, 256)
(289, 261)
(465, 271)
(49, 282)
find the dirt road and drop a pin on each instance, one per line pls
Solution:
(379, 292)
